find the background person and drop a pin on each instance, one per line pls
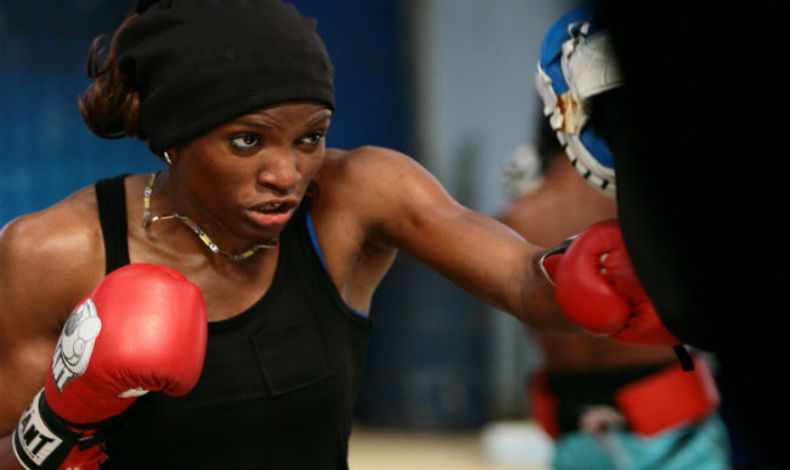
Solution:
(577, 397)
(686, 175)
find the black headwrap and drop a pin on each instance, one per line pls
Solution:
(200, 63)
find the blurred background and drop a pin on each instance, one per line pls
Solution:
(449, 82)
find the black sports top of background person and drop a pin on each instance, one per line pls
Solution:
(702, 188)
(279, 380)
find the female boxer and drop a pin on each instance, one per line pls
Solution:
(285, 239)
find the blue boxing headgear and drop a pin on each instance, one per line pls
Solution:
(576, 63)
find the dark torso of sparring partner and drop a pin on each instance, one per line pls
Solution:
(583, 377)
(561, 206)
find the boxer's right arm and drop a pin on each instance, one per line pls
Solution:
(48, 262)
(142, 329)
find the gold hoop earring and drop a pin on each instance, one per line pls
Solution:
(168, 159)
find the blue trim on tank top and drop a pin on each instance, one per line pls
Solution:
(321, 255)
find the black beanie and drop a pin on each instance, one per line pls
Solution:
(200, 63)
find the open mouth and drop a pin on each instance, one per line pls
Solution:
(275, 208)
(272, 213)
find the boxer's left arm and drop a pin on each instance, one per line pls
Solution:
(407, 208)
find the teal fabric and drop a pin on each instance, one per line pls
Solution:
(701, 446)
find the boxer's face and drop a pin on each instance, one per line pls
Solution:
(249, 175)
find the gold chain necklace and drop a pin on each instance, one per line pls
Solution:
(148, 220)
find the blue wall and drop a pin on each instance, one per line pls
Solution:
(46, 152)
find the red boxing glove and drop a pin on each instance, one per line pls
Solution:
(596, 286)
(143, 328)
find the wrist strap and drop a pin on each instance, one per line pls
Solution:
(559, 249)
(684, 358)
(42, 440)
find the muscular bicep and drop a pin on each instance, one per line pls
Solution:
(27, 340)
(43, 274)
(22, 371)
(25, 353)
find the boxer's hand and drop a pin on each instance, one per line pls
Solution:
(142, 329)
(596, 286)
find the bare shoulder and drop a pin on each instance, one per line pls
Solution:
(381, 192)
(372, 173)
(364, 164)
(50, 259)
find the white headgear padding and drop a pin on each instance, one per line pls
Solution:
(577, 63)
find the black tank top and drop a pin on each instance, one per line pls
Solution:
(279, 379)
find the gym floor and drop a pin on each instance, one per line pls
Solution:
(500, 445)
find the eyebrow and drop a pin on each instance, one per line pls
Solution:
(249, 122)
(320, 120)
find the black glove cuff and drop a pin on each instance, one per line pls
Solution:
(559, 249)
(42, 440)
